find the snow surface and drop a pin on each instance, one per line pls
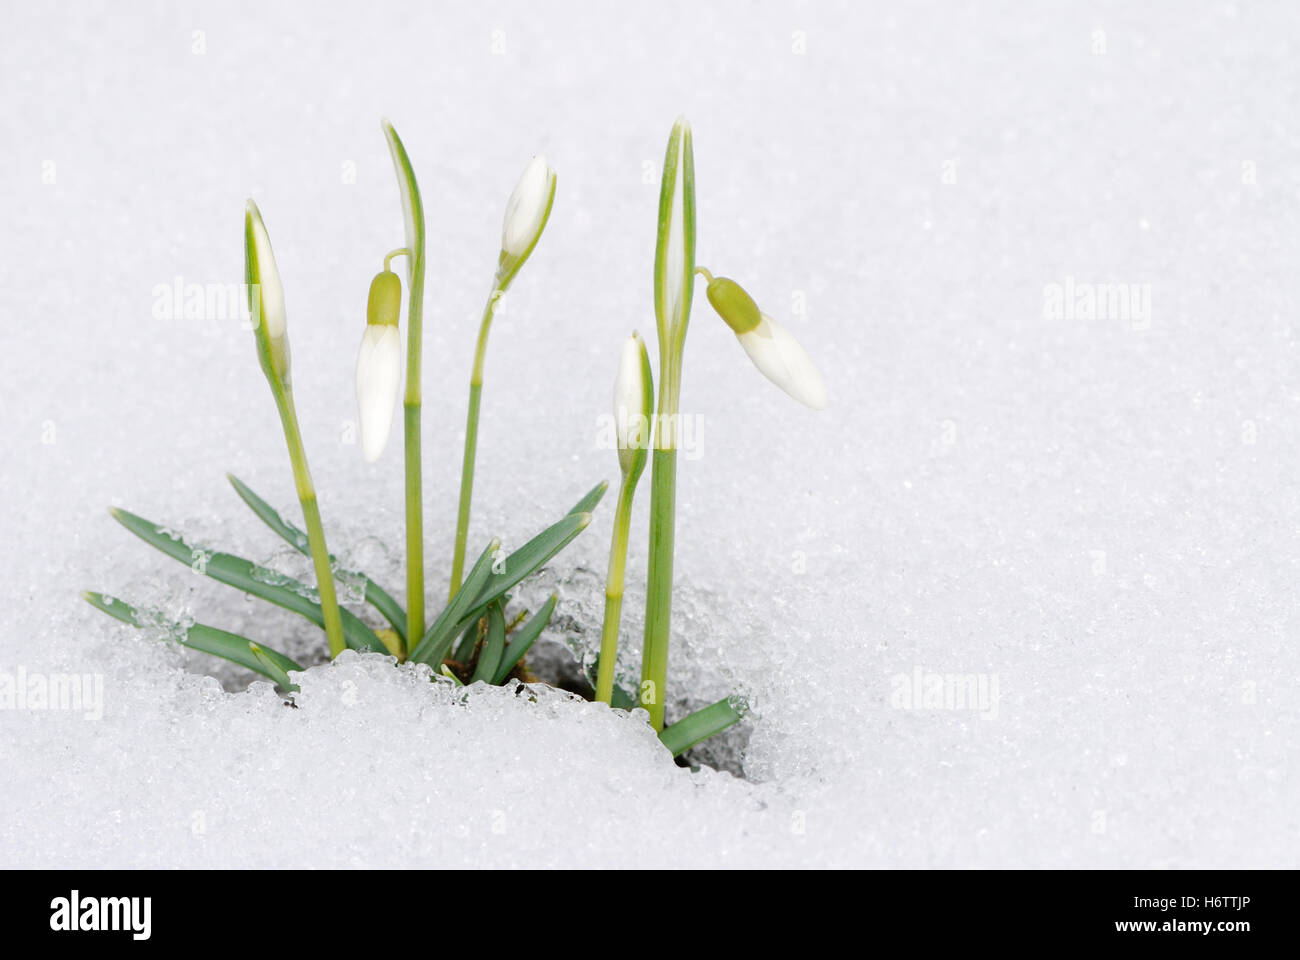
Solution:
(1097, 518)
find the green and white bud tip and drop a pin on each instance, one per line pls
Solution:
(633, 405)
(527, 210)
(265, 295)
(776, 353)
(379, 364)
(676, 248)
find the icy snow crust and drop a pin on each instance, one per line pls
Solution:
(1093, 518)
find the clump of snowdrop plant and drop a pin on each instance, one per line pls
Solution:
(471, 639)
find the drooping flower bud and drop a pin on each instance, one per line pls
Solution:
(734, 305)
(776, 353)
(265, 296)
(379, 364)
(633, 406)
(527, 211)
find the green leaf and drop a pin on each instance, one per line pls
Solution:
(523, 639)
(453, 619)
(518, 565)
(588, 503)
(483, 585)
(699, 726)
(490, 656)
(446, 672)
(242, 574)
(376, 596)
(273, 669)
(530, 557)
(229, 646)
(465, 649)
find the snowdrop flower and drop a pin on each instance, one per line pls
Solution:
(770, 346)
(633, 406)
(265, 296)
(379, 364)
(527, 211)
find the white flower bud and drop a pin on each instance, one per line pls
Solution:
(633, 405)
(528, 209)
(379, 381)
(265, 292)
(779, 357)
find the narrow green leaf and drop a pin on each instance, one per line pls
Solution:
(699, 726)
(453, 619)
(489, 580)
(523, 639)
(446, 672)
(465, 649)
(588, 503)
(530, 557)
(490, 656)
(113, 607)
(270, 516)
(229, 646)
(243, 575)
(376, 596)
(272, 669)
(479, 574)
(518, 565)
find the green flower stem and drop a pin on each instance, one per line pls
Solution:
(311, 515)
(414, 520)
(614, 591)
(411, 422)
(471, 439)
(413, 216)
(672, 316)
(659, 582)
(403, 252)
(411, 429)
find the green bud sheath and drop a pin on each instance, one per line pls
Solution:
(734, 305)
(385, 299)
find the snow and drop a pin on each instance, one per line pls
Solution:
(1091, 514)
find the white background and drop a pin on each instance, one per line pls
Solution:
(1099, 513)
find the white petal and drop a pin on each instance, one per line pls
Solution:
(526, 209)
(379, 380)
(780, 358)
(629, 388)
(631, 416)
